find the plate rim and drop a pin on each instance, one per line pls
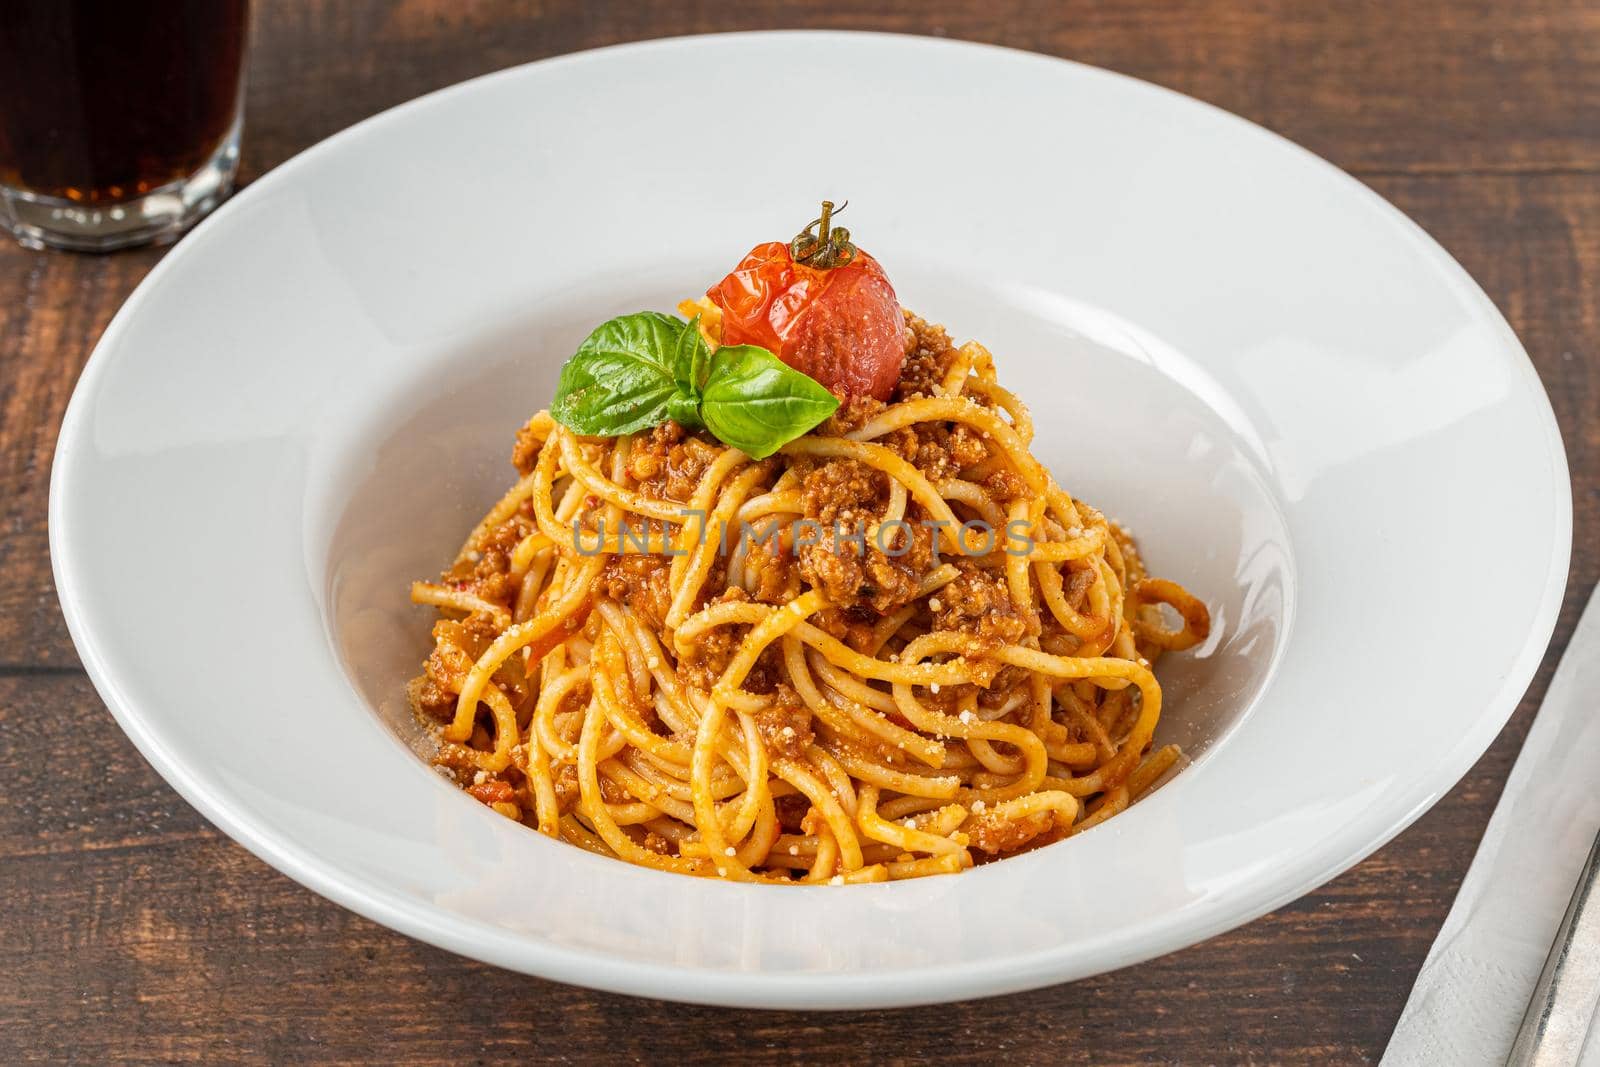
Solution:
(817, 990)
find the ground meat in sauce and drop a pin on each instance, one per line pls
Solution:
(712, 651)
(938, 450)
(843, 491)
(567, 789)
(457, 646)
(785, 724)
(525, 453)
(669, 462)
(459, 764)
(966, 447)
(432, 700)
(706, 662)
(853, 626)
(490, 575)
(613, 792)
(641, 582)
(767, 674)
(929, 355)
(1006, 485)
(846, 498)
(486, 573)
(493, 791)
(777, 581)
(991, 833)
(792, 809)
(979, 603)
(1000, 687)
(854, 413)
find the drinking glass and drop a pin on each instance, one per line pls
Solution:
(119, 120)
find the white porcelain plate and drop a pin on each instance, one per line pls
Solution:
(1304, 409)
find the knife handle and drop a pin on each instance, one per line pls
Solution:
(1556, 1027)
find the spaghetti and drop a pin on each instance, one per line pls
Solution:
(894, 648)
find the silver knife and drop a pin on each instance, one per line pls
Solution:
(1557, 1030)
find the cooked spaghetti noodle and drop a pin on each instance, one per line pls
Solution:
(814, 667)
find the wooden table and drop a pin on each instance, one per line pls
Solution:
(131, 930)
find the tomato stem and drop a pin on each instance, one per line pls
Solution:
(828, 248)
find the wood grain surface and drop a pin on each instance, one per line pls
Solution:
(132, 931)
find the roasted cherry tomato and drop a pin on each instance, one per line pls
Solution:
(822, 306)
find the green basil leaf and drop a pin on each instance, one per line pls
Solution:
(690, 358)
(757, 403)
(621, 378)
(684, 409)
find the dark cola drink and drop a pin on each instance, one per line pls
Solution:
(119, 119)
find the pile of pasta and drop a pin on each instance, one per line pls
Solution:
(642, 652)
